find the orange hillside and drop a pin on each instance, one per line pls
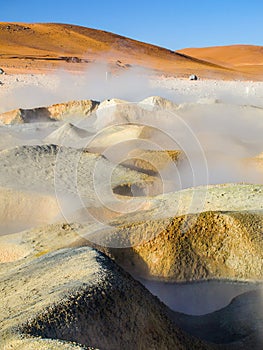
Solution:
(45, 47)
(246, 58)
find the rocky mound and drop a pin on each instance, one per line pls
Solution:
(228, 197)
(151, 162)
(68, 171)
(120, 137)
(69, 135)
(222, 197)
(35, 178)
(54, 112)
(154, 103)
(210, 245)
(117, 112)
(89, 301)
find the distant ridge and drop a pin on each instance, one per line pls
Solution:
(49, 46)
(247, 58)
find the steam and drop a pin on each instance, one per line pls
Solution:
(198, 298)
(219, 114)
(217, 125)
(97, 83)
(217, 129)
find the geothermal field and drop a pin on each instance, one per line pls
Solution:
(131, 197)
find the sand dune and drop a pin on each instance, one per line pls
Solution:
(243, 57)
(69, 135)
(36, 47)
(54, 112)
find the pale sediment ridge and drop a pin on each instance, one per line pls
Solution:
(87, 300)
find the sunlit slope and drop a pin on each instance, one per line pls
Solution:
(31, 47)
(246, 58)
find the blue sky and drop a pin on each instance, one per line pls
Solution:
(171, 24)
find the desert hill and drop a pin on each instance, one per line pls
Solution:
(49, 46)
(247, 58)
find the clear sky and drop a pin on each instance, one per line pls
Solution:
(172, 24)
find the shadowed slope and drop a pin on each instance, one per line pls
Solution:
(88, 300)
(191, 247)
(238, 325)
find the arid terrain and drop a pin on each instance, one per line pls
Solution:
(47, 47)
(131, 198)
